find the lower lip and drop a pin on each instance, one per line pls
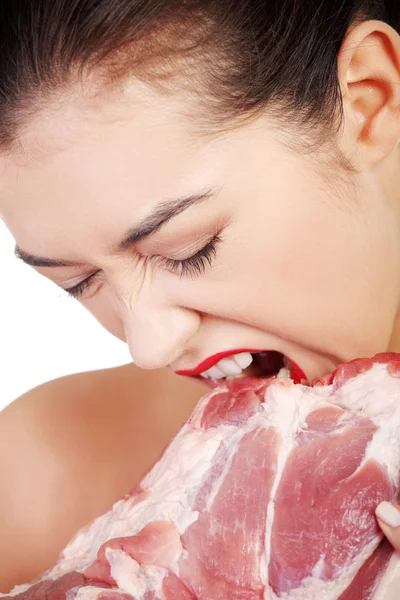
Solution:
(297, 374)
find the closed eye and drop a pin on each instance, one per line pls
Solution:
(194, 265)
(77, 290)
(189, 267)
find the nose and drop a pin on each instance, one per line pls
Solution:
(158, 336)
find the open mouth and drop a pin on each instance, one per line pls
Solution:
(254, 364)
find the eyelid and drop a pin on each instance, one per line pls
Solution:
(77, 290)
(189, 250)
(192, 265)
(197, 263)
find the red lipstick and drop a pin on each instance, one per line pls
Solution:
(211, 361)
(297, 374)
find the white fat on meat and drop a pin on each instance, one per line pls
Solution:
(237, 474)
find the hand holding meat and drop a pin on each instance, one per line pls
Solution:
(389, 520)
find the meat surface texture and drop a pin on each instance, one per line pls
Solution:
(267, 492)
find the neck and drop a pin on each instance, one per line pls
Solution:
(393, 190)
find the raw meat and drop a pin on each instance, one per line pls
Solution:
(267, 492)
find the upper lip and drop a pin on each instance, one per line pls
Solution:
(213, 360)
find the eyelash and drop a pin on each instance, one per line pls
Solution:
(77, 290)
(196, 264)
(192, 266)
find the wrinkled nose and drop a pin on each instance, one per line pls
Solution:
(157, 337)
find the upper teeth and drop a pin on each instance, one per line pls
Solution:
(232, 365)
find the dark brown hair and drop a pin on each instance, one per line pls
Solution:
(236, 56)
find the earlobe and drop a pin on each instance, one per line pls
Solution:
(369, 75)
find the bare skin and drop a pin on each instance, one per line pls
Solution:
(79, 444)
(283, 251)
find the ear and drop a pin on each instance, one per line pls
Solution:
(369, 77)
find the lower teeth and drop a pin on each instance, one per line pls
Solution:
(236, 376)
(284, 374)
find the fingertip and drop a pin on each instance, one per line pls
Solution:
(389, 514)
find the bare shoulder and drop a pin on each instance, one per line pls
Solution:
(71, 447)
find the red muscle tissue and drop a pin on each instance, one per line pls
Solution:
(267, 492)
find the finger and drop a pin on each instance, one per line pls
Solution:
(389, 520)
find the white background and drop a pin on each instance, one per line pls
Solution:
(44, 333)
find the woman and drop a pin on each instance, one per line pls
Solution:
(208, 179)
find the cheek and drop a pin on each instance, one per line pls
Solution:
(103, 309)
(325, 272)
(308, 271)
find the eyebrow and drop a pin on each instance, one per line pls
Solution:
(161, 215)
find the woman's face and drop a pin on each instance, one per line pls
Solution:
(269, 251)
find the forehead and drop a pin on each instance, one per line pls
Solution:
(130, 149)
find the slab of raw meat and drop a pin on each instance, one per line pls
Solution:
(267, 492)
